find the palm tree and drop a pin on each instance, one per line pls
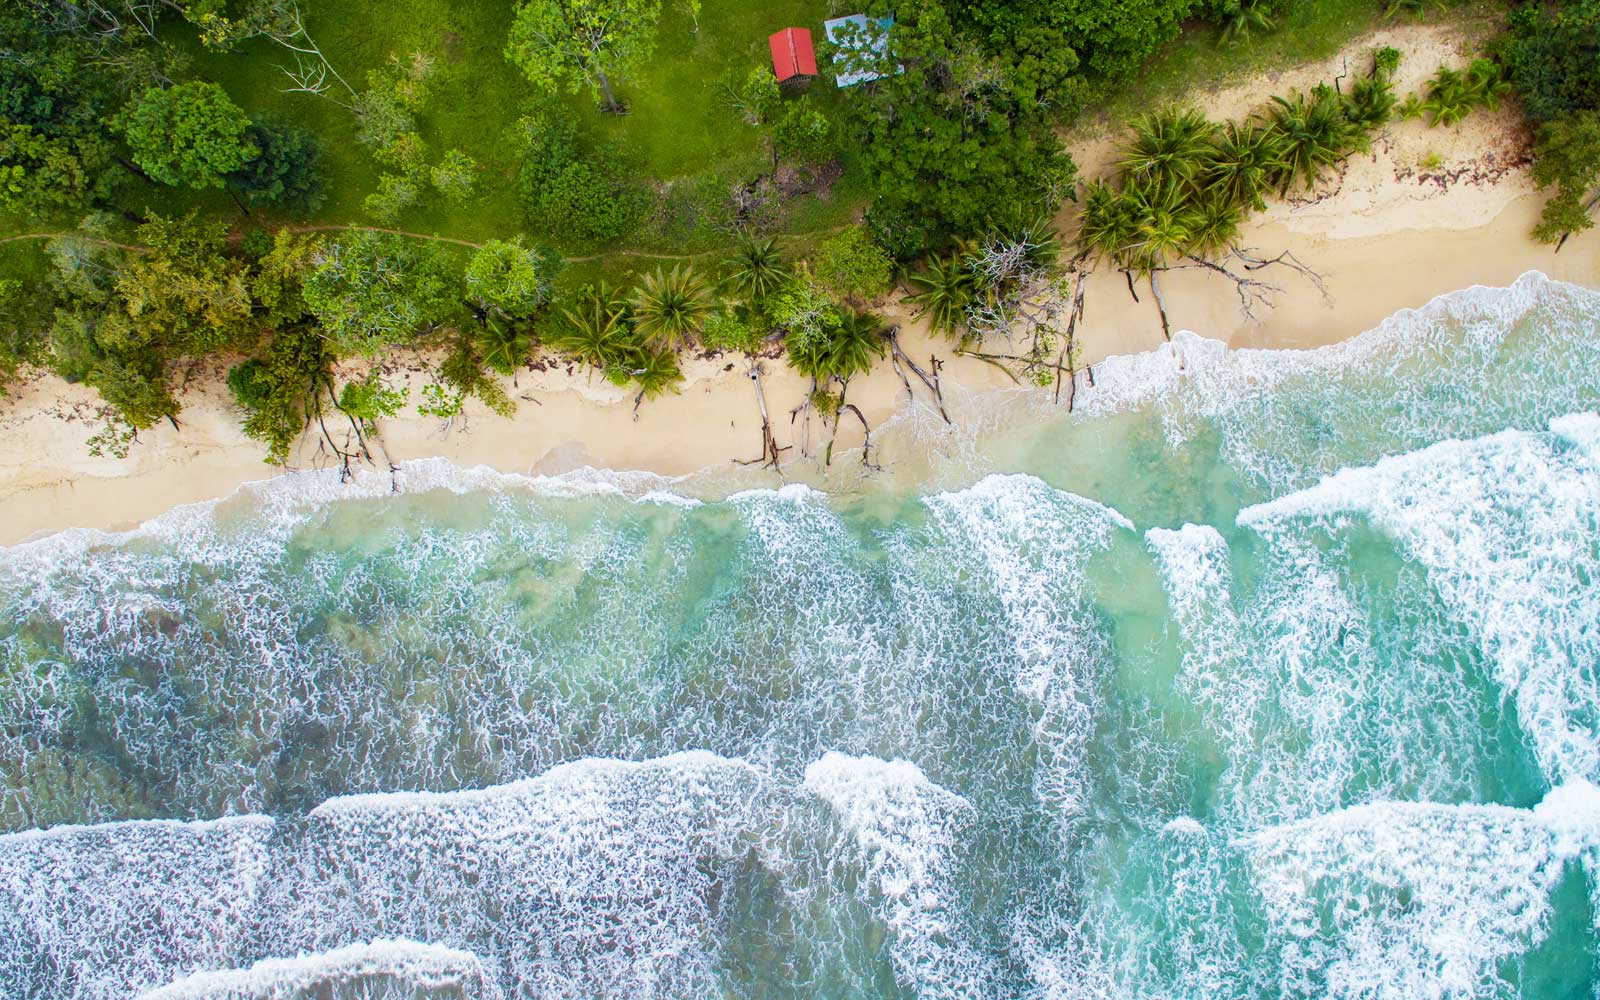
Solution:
(505, 344)
(943, 291)
(1213, 221)
(1165, 228)
(1169, 147)
(1109, 224)
(1371, 102)
(756, 269)
(598, 332)
(1240, 17)
(670, 308)
(1245, 160)
(1315, 134)
(842, 351)
(654, 372)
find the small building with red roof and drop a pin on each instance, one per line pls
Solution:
(792, 54)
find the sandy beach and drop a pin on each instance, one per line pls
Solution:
(1427, 212)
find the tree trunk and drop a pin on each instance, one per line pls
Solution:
(605, 85)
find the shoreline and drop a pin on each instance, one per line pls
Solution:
(568, 420)
(1386, 234)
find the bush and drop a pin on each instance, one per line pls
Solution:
(728, 331)
(287, 174)
(851, 266)
(564, 192)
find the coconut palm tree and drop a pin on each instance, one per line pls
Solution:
(1246, 159)
(756, 270)
(942, 292)
(1108, 224)
(1169, 147)
(669, 308)
(1166, 224)
(840, 351)
(1240, 17)
(654, 372)
(597, 331)
(1371, 102)
(1315, 134)
(1213, 221)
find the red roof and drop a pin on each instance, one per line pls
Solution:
(792, 54)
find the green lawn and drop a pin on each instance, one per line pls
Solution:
(679, 136)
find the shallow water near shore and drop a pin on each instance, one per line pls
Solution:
(1261, 674)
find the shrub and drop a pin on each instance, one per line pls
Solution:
(851, 266)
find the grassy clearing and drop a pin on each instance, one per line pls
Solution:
(679, 136)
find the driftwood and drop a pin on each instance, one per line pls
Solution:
(897, 355)
(770, 452)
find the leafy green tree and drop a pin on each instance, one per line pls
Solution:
(957, 137)
(395, 194)
(1552, 56)
(185, 294)
(728, 330)
(288, 172)
(40, 174)
(851, 266)
(756, 98)
(277, 284)
(370, 290)
(578, 43)
(464, 372)
(1114, 38)
(1567, 157)
(455, 175)
(669, 308)
(512, 279)
(190, 134)
(283, 390)
(24, 325)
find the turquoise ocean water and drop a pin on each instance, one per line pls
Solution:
(1265, 674)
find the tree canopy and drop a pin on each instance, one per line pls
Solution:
(189, 134)
(582, 43)
(371, 290)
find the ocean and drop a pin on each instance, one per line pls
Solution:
(1261, 674)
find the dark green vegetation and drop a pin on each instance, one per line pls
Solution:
(292, 189)
(1552, 53)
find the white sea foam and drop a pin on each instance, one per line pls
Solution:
(397, 967)
(1309, 715)
(596, 878)
(908, 834)
(103, 912)
(1403, 900)
(1032, 545)
(1480, 357)
(1508, 527)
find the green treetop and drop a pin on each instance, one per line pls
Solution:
(578, 43)
(190, 134)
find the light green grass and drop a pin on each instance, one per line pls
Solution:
(678, 128)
